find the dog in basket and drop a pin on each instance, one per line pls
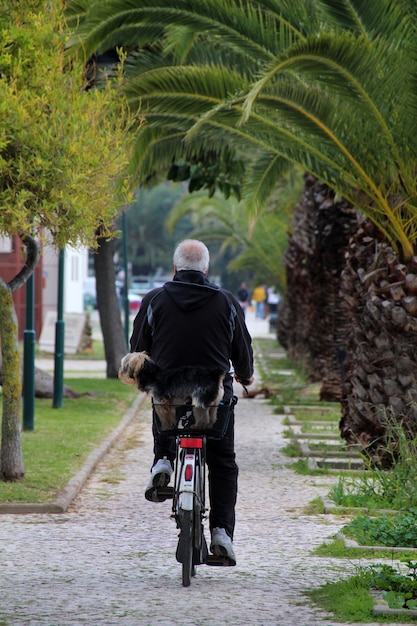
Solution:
(197, 386)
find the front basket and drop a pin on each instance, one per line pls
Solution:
(184, 422)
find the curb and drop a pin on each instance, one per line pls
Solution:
(77, 482)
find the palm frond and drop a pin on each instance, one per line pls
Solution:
(264, 175)
(239, 25)
(339, 69)
(199, 204)
(211, 84)
(385, 18)
(76, 11)
(333, 63)
(300, 16)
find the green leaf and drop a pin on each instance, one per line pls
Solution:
(394, 600)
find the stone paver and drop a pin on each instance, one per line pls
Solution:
(110, 559)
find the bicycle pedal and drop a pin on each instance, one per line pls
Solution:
(219, 561)
(165, 492)
(159, 494)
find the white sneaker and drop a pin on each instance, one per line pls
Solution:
(221, 545)
(160, 477)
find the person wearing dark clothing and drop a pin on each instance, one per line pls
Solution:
(243, 297)
(193, 322)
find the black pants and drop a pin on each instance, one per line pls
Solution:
(222, 473)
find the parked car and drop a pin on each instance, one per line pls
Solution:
(140, 285)
(90, 294)
(134, 301)
(161, 280)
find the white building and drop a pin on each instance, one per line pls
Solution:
(75, 274)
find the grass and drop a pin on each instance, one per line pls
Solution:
(380, 488)
(319, 429)
(292, 449)
(273, 367)
(314, 507)
(346, 600)
(63, 438)
(318, 414)
(301, 467)
(351, 600)
(337, 549)
(288, 383)
(327, 447)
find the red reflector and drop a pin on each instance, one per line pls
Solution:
(191, 442)
(188, 472)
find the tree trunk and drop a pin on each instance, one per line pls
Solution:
(380, 387)
(312, 322)
(108, 307)
(11, 459)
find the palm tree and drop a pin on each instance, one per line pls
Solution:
(257, 246)
(313, 82)
(329, 87)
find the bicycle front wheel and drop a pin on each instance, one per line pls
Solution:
(187, 541)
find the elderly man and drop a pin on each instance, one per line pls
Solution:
(192, 322)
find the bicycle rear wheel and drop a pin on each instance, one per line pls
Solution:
(187, 545)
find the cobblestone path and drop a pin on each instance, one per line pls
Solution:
(110, 559)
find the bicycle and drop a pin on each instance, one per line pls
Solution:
(189, 491)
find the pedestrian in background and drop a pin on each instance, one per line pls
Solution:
(259, 298)
(273, 298)
(243, 297)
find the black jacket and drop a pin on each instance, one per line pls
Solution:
(192, 322)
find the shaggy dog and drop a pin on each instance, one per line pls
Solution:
(200, 387)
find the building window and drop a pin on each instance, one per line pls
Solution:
(74, 268)
(6, 245)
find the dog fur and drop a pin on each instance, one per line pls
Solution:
(197, 386)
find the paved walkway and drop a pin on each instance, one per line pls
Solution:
(110, 559)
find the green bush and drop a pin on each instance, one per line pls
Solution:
(386, 530)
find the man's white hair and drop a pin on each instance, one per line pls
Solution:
(192, 254)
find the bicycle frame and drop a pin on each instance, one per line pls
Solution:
(188, 505)
(189, 491)
(191, 456)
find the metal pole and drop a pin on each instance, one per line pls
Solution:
(58, 399)
(29, 341)
(126, 273)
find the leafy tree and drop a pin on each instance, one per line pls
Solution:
(61, 150)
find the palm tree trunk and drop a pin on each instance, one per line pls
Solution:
(312, 323)
(380, 387)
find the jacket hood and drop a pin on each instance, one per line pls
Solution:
(190, 290)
